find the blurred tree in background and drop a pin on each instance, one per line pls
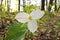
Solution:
(49, 25)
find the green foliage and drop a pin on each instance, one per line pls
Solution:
(58, 24)
(16, 31)
(30, 8)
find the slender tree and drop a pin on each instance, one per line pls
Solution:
(18, 5)
(46, 2)
(50, 5)
(42, 4)
(55, 4)
(1, 1)
(24, 5)
(1, 5)
(8, 5)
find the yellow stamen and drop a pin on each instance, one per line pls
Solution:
(30, 18)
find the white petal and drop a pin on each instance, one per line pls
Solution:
(37, 14)
(32, 26)
(22, 17)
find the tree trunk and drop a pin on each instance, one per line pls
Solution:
(55, 5)
(50, 5)
(1, 2)
(23, 5)
(42, 4)
(1, 5)
(8, 5)
(46, 2)
(18, 5)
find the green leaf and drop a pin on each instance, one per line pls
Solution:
(16, 31)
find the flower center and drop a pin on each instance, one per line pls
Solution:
(30, 18)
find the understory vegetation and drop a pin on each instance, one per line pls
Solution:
(11, 29)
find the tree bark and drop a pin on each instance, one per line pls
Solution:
(50, 5)
(18, 5)
(46, 2)
(42, 4)
(1, 6)
(55, 5)
(23, 5)
(8, 5)
(1, 2)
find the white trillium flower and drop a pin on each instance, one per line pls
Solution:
(30, 19)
